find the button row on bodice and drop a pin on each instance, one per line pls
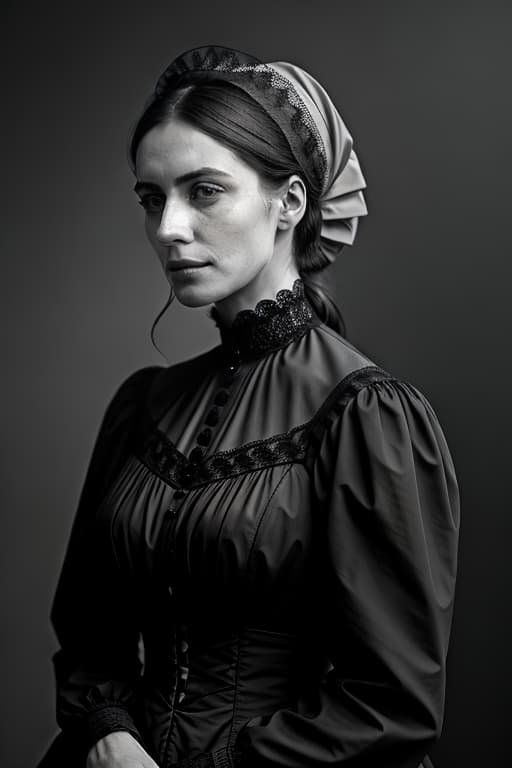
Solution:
(205, 436)
(197, 453)
(221, 397)
(206, 433)
(173, 508)
(212, 417)
(181, 661)
(213, 414)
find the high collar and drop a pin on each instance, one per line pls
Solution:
(272, 324)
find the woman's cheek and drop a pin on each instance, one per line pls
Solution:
(150, 227)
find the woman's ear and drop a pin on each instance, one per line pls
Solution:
(292, 203)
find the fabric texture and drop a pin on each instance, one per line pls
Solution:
(308, 118)
(231, 603)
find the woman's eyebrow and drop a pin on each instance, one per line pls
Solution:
(205, 171)
(140, 185)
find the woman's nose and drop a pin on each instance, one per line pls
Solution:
(175, 224)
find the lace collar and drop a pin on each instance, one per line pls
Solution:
(272, 324)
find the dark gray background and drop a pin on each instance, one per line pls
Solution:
(425, 89)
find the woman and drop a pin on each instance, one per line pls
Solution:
(274, 521)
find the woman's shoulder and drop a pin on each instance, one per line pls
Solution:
(133, 385)
(377, 413)
(333, 356)
(350, 374)
(157, 383)
(127, 396)
(330, 362)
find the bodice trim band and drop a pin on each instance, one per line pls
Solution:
(162, 457)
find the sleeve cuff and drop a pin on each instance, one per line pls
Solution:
(101, 722)
(227, 757)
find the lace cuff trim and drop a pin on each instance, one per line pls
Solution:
(102, 721)
(227, 757)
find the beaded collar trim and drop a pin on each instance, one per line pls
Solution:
(272, 324)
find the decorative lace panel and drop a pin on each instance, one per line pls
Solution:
(162, 457)
(265, 85)
(272, 324)
(343, 392)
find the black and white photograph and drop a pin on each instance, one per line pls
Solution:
(256, 273)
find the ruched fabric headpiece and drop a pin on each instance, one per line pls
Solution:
(318, 137)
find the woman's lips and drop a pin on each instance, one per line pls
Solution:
(185, 267)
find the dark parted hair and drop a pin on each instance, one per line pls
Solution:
(228, 114)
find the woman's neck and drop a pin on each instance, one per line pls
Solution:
(264, 286)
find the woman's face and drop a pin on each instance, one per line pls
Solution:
(207, 217)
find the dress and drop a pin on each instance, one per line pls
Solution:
(262, 565)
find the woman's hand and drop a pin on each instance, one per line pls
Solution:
(119, 750)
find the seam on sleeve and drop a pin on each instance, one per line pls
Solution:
(342, 393)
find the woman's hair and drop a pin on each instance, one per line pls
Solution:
(229, 115)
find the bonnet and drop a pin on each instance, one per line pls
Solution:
(312, 125)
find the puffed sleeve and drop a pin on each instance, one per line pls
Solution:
(97, 664)
(386, 487)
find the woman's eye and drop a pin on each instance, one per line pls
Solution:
(152, 203)
(205, 192)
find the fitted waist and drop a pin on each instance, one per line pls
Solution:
(252, 659)
(215, 682)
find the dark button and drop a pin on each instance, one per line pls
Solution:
(187, 474)
(212, 417)
(204, 437)
(231, 369)
(228, 381)
(183, 675)
(196, 455)
(179, 494)
(170, 513)
(221, 397)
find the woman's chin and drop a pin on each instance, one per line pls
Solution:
(193, 292)
(193, 296)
